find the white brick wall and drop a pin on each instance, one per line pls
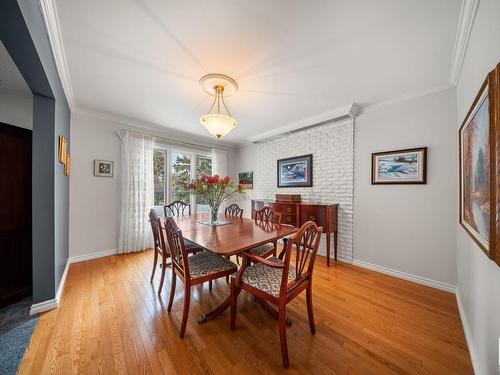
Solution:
(332, 147)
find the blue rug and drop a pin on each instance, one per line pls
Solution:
(16, 328)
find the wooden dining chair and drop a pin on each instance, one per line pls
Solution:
(192, 270)
(266, 216)
(234, 210)
(161, 250)
(276, 281)
(177, 208)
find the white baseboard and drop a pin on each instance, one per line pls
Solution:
(407, 276)
(100, 254)
(61, 283)
(50, 304)
(468, 336)
(43, 306)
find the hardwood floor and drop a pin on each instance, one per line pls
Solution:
(110, 320)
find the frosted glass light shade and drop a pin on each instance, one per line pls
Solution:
(217, 124)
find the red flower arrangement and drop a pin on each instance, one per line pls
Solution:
(214, 190)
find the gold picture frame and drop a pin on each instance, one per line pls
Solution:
(479, 167)
(63, 149)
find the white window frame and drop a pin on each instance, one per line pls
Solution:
(194, 154)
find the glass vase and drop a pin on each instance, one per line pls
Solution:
(214, 213)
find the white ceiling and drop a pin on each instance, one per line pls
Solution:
(291, 58)
(11, 80)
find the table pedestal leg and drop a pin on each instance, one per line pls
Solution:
(215, 313)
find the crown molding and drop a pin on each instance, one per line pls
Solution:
(350, 110)
(404, 98)
(137, 124)
(467, 15)
(49, 13)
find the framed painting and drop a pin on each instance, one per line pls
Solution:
(103, 168)
(479, 150)
(407, 166)
(62, 150)
(295, 172)
(246, 180)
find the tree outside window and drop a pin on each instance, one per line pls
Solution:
(203, 168)
(159, 173)
(181, 176)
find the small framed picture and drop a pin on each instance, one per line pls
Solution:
(246, 180)
(103, 168)
(63, 149)
(400, 166)
(295, 172)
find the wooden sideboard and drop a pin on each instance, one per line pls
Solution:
(297, 213)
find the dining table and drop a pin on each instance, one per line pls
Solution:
(232, 236)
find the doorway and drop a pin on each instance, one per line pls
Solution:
(15, 214)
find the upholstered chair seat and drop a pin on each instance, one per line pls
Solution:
(265, 278)
(207, 263)
(262, 249)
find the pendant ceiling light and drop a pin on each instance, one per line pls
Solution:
(218, 121)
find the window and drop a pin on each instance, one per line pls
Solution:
(180, 176)
(172, 172)
(160, 176)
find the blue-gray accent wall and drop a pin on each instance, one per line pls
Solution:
(22, 31)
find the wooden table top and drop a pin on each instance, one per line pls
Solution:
(229, 239)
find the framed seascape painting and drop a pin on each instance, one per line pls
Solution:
(479, 146)
(400, 166)
(246, 180)
(295, 172)
(103, 168)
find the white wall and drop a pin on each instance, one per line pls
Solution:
(332, 149)
(246, 161)
(95, 201)
(16, 110)
(409, 228)
(478, 284)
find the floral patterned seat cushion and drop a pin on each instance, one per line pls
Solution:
(265, 278)
(262, 249)
(207, 263)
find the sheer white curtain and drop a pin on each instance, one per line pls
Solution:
(137, 192)
(219, 160)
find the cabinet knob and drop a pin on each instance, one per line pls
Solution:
(288, 218)
(312, 218)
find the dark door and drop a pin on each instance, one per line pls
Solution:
(15, 214)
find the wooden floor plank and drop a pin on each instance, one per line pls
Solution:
(111, 320)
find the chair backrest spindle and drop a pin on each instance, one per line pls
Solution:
(176, 245)
(306, 243)
(267, 214)
(177, 208)
(234, 210)
(153, 220)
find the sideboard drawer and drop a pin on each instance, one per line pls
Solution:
(284, 208)
(288, 219)
(313, 213)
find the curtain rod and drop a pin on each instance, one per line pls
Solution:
(172, 140)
